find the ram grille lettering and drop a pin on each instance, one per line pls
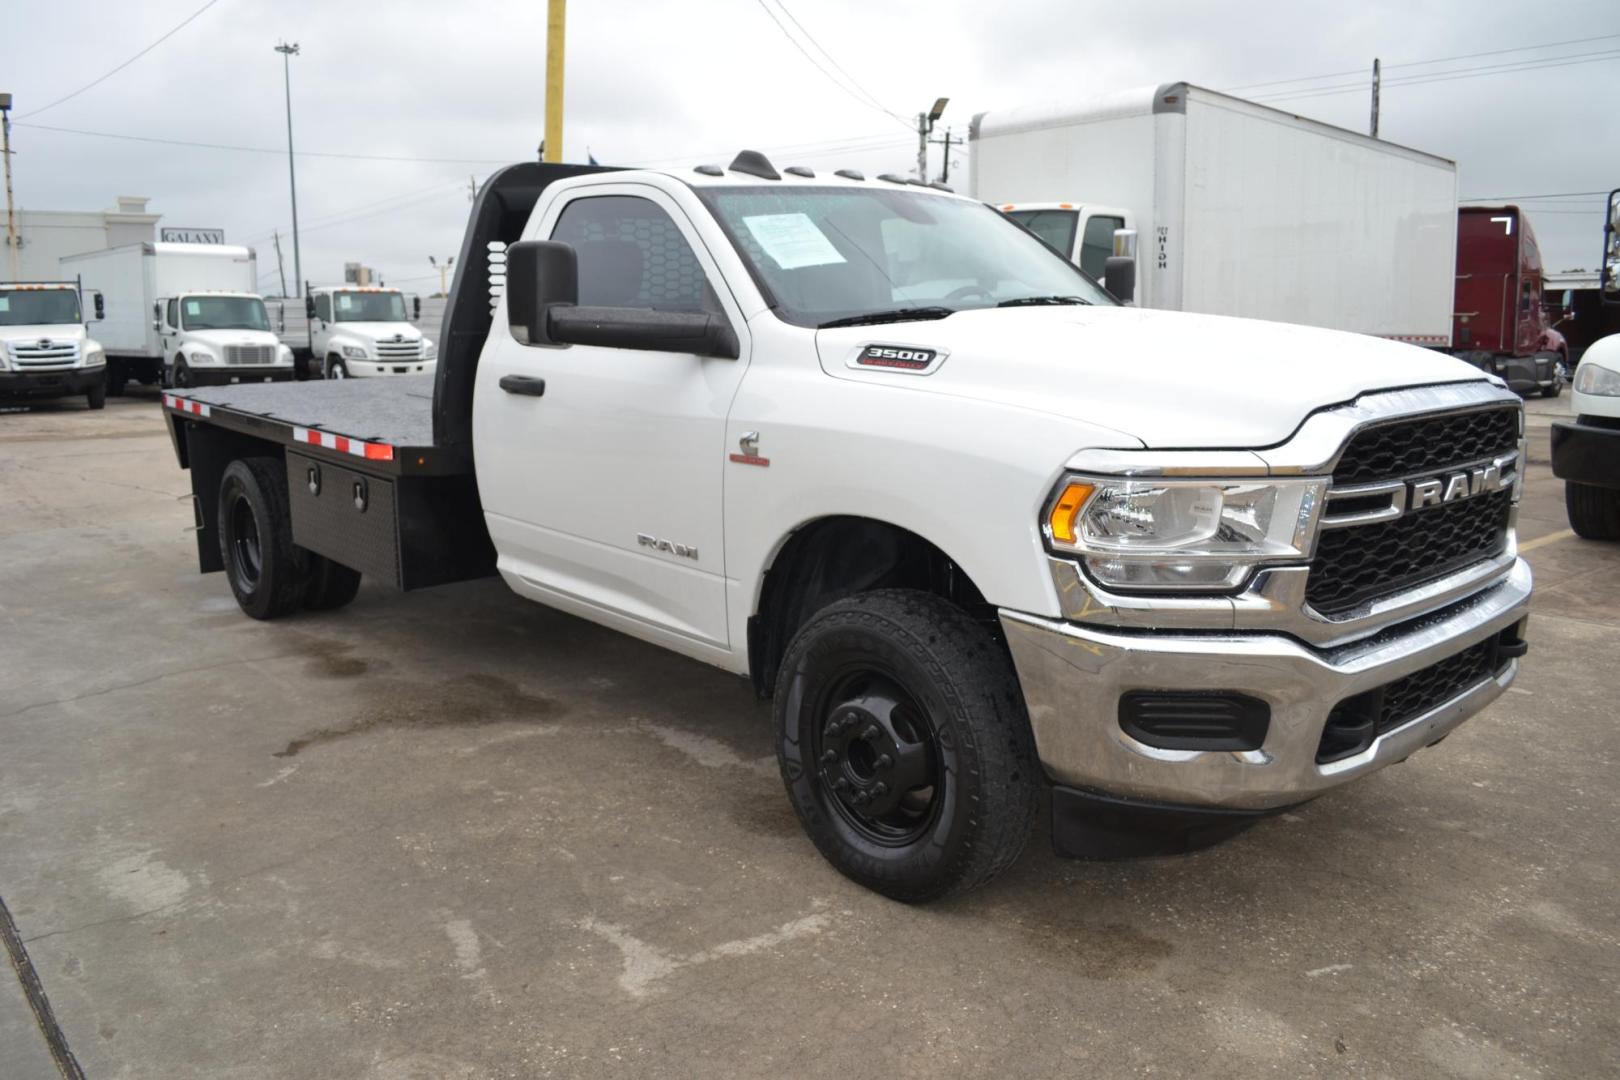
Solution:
(1452, 487)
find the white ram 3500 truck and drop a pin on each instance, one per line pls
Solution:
(183, 315)
(45, 346)
(361, 330)
(977, 528)
(1241, 209)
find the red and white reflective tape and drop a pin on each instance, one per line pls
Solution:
(344, 445)
(1419, 339)
(185, 405)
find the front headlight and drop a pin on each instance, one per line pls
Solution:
(93, 358)
(195, 355)
(429, 350)
(1591, 378)
(1183, 534)
(283, 355)
(354, 352)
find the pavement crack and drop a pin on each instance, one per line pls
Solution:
(146, 682)
(34, 990)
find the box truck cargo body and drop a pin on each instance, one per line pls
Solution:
(134, 278)
(1241, 209)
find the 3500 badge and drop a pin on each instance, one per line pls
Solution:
(900, 358)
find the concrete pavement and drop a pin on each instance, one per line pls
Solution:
(455, 834)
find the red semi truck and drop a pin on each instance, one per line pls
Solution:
(1500, 324)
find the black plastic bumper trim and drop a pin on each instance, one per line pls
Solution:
(1091, 825)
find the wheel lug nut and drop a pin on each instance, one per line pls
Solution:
(884, 761)
(880, 788)
(840, 784)
(872, 731)
(829, 757)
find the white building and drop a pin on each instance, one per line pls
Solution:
(44, 236)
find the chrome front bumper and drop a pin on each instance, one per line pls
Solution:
(1073, 677)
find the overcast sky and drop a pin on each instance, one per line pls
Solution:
(673, 84)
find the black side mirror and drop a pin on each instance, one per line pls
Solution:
(539, 275)
(416, 307)
(309, 307)
(643, 328)
(1119, 278)
(101, 307)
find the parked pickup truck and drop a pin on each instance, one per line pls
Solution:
(976, 527)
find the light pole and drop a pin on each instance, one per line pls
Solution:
(444, 272)
(287, 53)
(925, 125)
(5, 151)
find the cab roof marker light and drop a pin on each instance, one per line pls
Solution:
(1066, 511)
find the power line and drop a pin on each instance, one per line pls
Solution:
(264, 149)
(1421, 63)
(332, 218)
(1449, 76)
(855, 93)
(823, 51)
(1554, 195)
(125, 64)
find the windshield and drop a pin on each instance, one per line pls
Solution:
(1056, 227)
(38, 307)
(826, 254)
(223, 313)
(368, 307)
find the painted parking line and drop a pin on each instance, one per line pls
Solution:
(1550, 538)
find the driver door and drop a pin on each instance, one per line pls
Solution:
(603, 493)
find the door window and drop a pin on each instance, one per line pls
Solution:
(631, 254)
(1056, 227)
(1098, 243)
(173, 316)
(323, 307)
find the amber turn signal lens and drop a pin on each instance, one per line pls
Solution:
(1066, 510)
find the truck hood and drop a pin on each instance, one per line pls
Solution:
(1170, 379)
(219, 338)
(378, 331)
(36, 331)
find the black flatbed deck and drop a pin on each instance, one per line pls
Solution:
(387, 422)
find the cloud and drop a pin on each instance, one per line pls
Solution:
(658, 82)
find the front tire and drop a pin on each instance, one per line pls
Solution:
(1594, 512)
(335, 368)
(267, 572)
(181, 378)
(96, 396)
(904, 745)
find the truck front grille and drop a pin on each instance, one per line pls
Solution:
(250, 354)
(399, 350)
(1355, 722)
(1402, 448)
(1361, 564)
(43, 355)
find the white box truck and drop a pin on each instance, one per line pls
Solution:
(182, 314)
(1241, 209)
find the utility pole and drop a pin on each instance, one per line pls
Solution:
(287, 53)
(925, 125)
(5, 151)
(551, 149)
(1373, 130)
(945, 169)
(281, 267)
(444, 273)
(472, 188)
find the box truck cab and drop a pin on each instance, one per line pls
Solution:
(1501, 323)
(143, 339)
(208, 338)
(1240, 209)
(356, 331)
(45, 346)
(1082, 234)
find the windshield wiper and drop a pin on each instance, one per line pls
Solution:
(1040, 301)
(872, 318)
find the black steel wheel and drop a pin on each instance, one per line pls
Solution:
(904, 746)
(182, 373)
(267, 571)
